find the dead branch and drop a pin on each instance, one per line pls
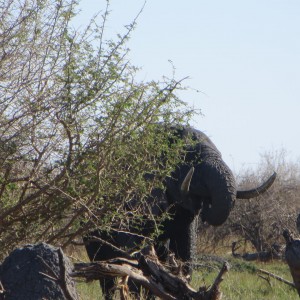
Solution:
(214, 292)
(277, 277)
(260, 256)
(151, 274)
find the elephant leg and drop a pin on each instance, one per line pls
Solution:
(107, 286)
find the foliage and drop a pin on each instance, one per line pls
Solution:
(78, 132)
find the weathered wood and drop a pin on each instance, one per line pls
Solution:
(259, 256)
(277, 277)
(151, 274)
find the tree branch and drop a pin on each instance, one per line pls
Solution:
(277, 277)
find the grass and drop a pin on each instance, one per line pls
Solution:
(89, 291)
(242, 281)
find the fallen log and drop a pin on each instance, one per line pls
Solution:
(277, 277)
(264, 256)
(151, 274)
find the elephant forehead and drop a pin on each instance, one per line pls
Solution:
(214, 165)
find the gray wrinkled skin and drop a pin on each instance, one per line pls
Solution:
(20, 274)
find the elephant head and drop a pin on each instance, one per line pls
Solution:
(210, 186)
(218, 191)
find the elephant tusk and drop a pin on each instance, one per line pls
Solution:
(256, 191)
(185, 186)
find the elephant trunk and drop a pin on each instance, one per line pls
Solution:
(221, 188)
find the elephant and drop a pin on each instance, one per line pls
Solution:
(202, 185)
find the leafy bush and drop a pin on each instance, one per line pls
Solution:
(78, 131)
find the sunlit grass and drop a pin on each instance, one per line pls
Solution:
(89, 291)
(243, 281)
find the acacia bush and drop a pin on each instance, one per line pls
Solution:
(260, 221)
(78, 131)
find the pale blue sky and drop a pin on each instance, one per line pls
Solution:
(244, 57)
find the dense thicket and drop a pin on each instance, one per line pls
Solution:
(77, 130)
